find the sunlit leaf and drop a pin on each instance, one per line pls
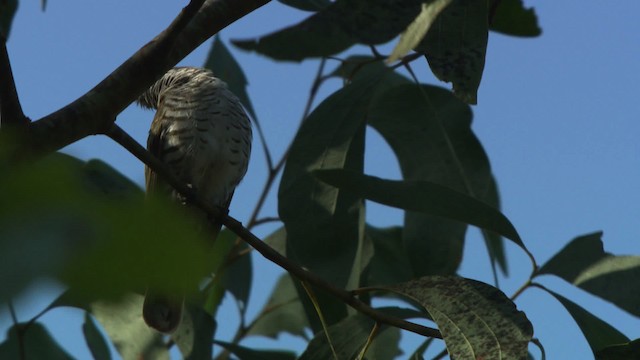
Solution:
(244, 353)
(477, 321)
(510, 17)
(282, 313)
(95, 341)
(456, 45)
(36, 342)
(421, 196)
(598, 333)
(411, 37)
(430, 132)
(584, 263)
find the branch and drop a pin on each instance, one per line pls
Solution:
(122, 138)
(10, 109)
(95, 111)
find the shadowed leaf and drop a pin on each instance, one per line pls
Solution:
(307, 5)
(36, 342)
(244, 353)
(626, 351)
(7, 11)
(195, 333)
(510, 17)
(95, 341)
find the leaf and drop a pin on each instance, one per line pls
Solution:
(194, 336)
(386, 345)
(244, 353)
(598, 333)
(282, 313)
(390, 263)
(307, 5)
(477, 321)
(95, 341)
(429, 130)
(238, 279)
(336, 28)
(493, 241)
(584, 263)
(412, 36)
(104, 179)
(324, 225)
(226, 67)
(456, 46)
(422, 196)
(7, 12)
(626, 351)
(510, 17)
(36, 342)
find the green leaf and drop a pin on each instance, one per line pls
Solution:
(411, 37)
(422, 196)
(510, 17)
(238, 279)
(598, 333)
(324, 225)
(477, 321)
(194, 336)
(95, 341)
(493, 241)
(282, 313)
(104, 179)
(626, 351)
(429, 130)
(36, 342)
(226, 67)
(584, 263)
(390, 263)
(307, 5)
(456, 46)
(7, 12)
(386, 345)
(244, 353)
(336, 28)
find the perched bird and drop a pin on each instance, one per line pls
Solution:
(202, 133)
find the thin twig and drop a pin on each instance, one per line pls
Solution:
(122, 138)
(10, 108)
(19, 330)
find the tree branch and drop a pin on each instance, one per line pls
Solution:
(122, 138)
(94, 112)
(10, 109)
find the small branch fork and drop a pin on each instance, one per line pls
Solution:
(122, 138)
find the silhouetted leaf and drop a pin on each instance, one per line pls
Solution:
(510, 17)
(429, 130)
(194, 336)
(598, 333)
(95, 341)
(422, 196)
(626, 351)
(477, 321)
(244, 353)
(456, 46)
(36, 342)
(307, 5)
(7, 11)
(584, 263)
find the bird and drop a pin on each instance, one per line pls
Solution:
(202, 133)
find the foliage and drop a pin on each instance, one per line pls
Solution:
(91, 229)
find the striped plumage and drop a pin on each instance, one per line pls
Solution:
(202, 133)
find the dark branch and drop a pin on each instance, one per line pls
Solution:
(122, 138)
(10, 110)
(94, 112)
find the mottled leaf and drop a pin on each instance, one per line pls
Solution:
(244, 353)
(584, 263)
(36, 342)
(456, 45)
(422, 196)
(598, 333)
(477, 321)
(510, 17)
(429, 130)
(95, 341)
(412, 36)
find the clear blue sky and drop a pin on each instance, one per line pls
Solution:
(558, 115)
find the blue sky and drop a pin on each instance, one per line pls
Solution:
(558, 116)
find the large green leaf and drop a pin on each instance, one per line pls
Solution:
(626, 351)
(283, 312)
(598, 333)
(510, 17)
(422, 196)
(584, 263)
(35, 341)
(477, 321)
(95, 341)
(455, 46)
(336, 28)
(244, 353)
(390, 263)
(324, 225)
(429, 130)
